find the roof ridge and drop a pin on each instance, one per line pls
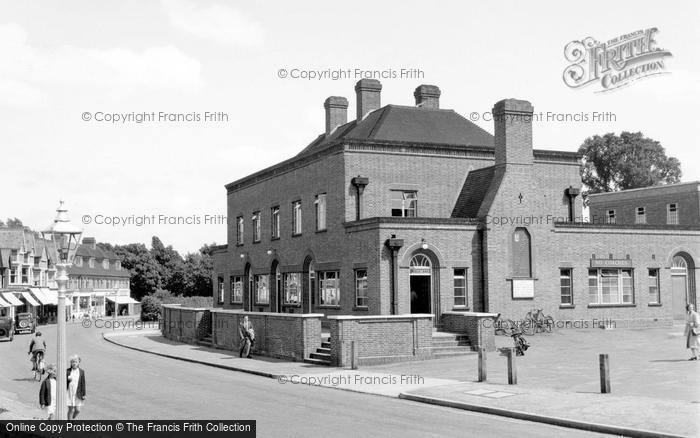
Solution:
(382, 117)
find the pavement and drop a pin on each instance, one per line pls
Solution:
(656, 391)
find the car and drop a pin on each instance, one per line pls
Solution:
(25, 323)
(7, 328)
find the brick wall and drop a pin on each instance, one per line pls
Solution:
(479, 327)
(380, 339)
(182, 324)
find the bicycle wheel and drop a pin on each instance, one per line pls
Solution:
(549, 324)
(528, 327)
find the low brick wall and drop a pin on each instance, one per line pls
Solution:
(183, 324)
(290, 336)
(380, 338)
(479, 327)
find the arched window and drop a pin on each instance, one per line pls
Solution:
(679, 263)
(420, 265)
(520, 250)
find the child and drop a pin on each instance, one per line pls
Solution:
(47, 393)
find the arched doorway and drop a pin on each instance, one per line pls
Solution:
(421, 283)
(275, 286)
(682, 284)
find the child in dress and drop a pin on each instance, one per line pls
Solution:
(47, 393)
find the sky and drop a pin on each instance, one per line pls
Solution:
(67, 67)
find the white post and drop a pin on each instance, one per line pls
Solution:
(61, 384)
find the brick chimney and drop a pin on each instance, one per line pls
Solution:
(427, 96)
(368, 96)
(336, 112)
(90, 241)
(513, 131)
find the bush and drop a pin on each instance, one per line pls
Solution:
(150, 308)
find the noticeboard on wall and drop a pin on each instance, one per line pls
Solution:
(523, 288)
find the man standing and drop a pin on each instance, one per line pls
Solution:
(247, 335)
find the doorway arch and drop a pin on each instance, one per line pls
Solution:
(420, 272)
(682, 283)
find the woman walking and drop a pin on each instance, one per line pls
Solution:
(76, 387)
(692, 330)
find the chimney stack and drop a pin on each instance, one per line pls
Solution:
(368, 96)
(90, 241)
(336, 112)
(427, 96)
(512, 120)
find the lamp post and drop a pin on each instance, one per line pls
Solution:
(65, 238)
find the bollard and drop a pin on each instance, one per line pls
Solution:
(482, 364)
(604, 374)
(512, 370)
(353, 355)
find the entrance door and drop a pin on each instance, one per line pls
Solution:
(679, 287)
(420, 293)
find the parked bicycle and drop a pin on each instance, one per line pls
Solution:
(537, 322)
(504, 326)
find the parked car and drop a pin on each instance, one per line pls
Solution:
(7, 328)
(25, 323)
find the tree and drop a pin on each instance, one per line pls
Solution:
(145, 272)
(627, 161)
(150, 308)
(172, 267)
(12, 223)
(199, 267)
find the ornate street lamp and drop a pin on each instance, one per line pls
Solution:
(65, 238)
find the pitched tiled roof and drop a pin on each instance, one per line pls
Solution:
(98, 271)
(478, 191)
(408, 124)
(12, 238)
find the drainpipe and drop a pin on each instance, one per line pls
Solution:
(394, 246)
(572, 193)
(359, 182)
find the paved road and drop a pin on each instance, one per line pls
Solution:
(126, 384)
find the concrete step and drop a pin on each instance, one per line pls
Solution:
(321, 356)
(317, 361)
(326, 345)
(450, 343)
(447, 349)
(205, 343)
(323, 350)
(441, 355)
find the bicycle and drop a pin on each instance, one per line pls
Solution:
(504, 327)
(538, 322)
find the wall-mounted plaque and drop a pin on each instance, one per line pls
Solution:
(611, 263)
(523, 288)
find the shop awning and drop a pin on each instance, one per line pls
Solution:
(30, 299)
(122, 299)
(11, 298)
(4, 303)
(39, 295)
(51, 295)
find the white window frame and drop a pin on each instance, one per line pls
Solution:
(604, 278)
(275, 222)
(220, 290)
(409, 202)
(564, 289)
(361, 286)
(329, 288)
(256, 226)
(236, 289)
(105, 264)
(321, 208)
(240, 229)
(292, 288)
(610, 217)
(654, 285)
(262, 289)
(640, 215)
(296, 218)
(461, 275)
(672, 213)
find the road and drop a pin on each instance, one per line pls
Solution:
(127, 384)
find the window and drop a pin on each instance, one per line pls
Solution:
(565, 287)
(520, 251)
(320, 212)
(262, 289)
(118, 265)
(329, 283)
(91, 262)
(610, 286)
(292, 288)
(296, 218)
(13, 275)
(404, 203)
(610, 217)
(672, 214)
(220, 291)
(105, 264)
(459, 277)
(654, 297)
(361, 288)
(420, 265)
(275, 221)
(256, 226)
(239, 230)
(640, 217)
(79, 261)
(25, 275)
(236, 289)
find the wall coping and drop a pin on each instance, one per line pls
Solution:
(283, 315)
(179, 307)
(380, 317)
(477, 314)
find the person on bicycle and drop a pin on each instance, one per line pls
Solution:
(36, 346)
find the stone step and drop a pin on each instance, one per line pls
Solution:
(450, 349)
(317, 361)
(441, 355)
(323, 350)
(446, 343)
(205, 343)
(322, 356)
(326, 345)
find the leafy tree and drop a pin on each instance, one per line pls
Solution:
(172, 266)
(150, 308)
(199, 267)
(627, 161)
(145, 272)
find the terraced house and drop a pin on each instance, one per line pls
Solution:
(416, 210)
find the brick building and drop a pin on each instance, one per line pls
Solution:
(414, 209)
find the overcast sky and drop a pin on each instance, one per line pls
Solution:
(62, 59)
